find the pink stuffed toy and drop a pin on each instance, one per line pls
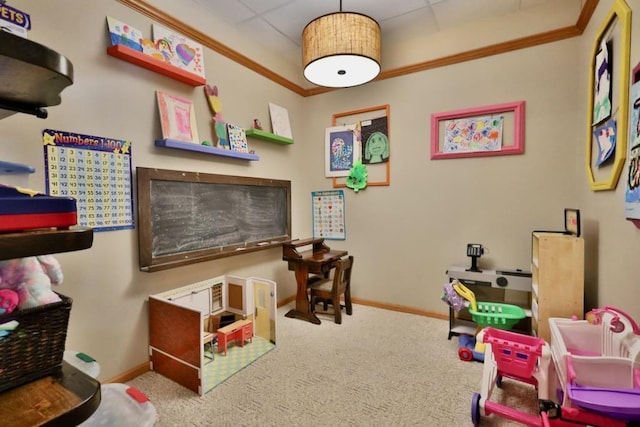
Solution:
(31, 278)
(8, 301)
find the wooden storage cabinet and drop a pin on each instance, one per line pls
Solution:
(557, 269)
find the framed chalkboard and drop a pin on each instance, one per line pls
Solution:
(189, 217)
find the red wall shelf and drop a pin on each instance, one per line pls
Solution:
(150, 63)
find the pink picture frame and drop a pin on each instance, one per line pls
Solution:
(509, 118)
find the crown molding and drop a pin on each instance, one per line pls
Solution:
(552, 36)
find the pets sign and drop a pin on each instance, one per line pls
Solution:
(14, 21)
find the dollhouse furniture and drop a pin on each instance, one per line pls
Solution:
(328, 290)
(318, 260)
(184, 324)
(240, 330)
(209, 335)
(34, 76)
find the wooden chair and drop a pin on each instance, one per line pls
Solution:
(328, 290)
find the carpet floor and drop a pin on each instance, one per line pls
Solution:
(378, 368)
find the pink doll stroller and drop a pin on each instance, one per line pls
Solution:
(597, 365)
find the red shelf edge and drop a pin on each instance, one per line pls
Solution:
(150, 63)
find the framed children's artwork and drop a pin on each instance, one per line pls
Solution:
(572, 222)
(602, 84)
(605, 136)
(492, 130)
(608, 106)
(373, 141)
(342, 149)
(177, 118)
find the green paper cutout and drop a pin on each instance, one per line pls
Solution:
(357, 179)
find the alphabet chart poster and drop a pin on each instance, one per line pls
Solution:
(329, 214)
(94, 170)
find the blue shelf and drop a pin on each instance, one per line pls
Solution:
(8, 168)
(189, 146)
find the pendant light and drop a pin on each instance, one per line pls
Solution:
(341, 49)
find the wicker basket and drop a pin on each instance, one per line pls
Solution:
(35, 348)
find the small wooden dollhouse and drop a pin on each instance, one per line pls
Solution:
(178, 333)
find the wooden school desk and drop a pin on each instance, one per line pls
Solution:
(320, 259)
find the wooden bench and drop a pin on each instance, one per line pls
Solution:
(239, 330)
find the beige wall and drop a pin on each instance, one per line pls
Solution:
(403, 236)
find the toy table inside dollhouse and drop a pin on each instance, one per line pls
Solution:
(500, 286)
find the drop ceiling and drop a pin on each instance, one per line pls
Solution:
(278, 24)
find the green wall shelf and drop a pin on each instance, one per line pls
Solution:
(267, 136)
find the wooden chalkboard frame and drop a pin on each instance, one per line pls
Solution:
(150, 262)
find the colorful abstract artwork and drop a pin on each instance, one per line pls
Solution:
(605, 135)
(602, 95)
(472, 134)
(342, 149)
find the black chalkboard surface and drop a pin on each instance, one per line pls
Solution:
(188, 217)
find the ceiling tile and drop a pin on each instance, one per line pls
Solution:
(262, 6)
(264, 34)
(228, 11)
(291, 18)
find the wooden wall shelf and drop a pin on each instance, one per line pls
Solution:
(33, 76)
(42, 242)
(150, 63)
(267, 136)
(190, 146)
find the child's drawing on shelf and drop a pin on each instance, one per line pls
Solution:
(602, 100)
(376, 149)
(149, 48)
(164, 47)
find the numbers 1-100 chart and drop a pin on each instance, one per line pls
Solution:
(96, 171)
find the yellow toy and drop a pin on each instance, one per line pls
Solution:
(468, 294)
